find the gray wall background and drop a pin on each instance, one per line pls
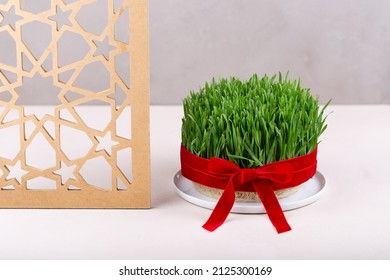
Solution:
(340, 49)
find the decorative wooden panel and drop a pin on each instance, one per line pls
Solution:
(74, 104)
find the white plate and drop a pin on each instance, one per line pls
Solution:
(310, 191)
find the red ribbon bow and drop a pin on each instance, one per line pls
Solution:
(223, 174)
(261, 180)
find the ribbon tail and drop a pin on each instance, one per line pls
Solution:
(222, 209)
(272, 206)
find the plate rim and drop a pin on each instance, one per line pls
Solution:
(250, 207)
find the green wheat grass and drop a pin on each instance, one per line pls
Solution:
(253, 122)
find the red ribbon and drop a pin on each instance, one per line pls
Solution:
(223, 174)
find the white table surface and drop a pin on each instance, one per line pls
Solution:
(350, 221)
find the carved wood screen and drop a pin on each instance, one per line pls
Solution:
(74, 104)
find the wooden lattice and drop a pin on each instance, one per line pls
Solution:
(74, 104)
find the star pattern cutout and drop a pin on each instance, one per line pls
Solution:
(61, 18)
(44, 86)
(16, 172)
(59, 57)
(10, 18)
(66, 172)
(103, 48)
(38, 84)
(106, 143)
